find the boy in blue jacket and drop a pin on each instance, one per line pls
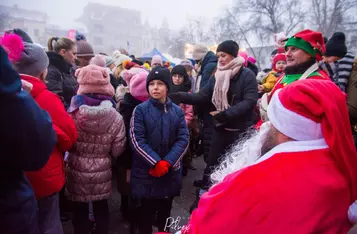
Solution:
(159, 139)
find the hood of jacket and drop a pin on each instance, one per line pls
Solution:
(58, 61)
(209, 58)
(95, 119)
(38, 85)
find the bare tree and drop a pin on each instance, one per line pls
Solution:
(329, 16)
(272, 16)
(195, 31)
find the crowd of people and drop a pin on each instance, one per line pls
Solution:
(279, 144)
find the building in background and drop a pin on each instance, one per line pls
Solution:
(111, 27)
(32, 22)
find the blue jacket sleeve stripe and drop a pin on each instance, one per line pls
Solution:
(136, 144)
(183, 154)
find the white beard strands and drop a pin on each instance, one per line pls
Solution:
(242, 154)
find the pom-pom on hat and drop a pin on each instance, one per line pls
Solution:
(94, 79)
(27, 58)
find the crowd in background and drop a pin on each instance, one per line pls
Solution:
(71, 113)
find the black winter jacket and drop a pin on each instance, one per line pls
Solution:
(60, 78)
(242, 97)
(126, 109)
(208, 66)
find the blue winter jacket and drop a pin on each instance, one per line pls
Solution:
(27, 140)
(158, 131)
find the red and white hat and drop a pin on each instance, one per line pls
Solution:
(313, 109)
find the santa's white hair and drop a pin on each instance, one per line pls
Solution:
(242, 154)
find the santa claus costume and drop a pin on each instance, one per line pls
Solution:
(304, 185)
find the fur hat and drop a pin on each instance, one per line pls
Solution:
(94, 79)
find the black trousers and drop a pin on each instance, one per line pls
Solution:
(151, 209)
(220, 143)
(80, 220)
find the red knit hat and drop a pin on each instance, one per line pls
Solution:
(277, 58)
(310, 41)
(313, 109)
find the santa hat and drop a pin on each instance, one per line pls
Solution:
(314, 109)
(277, 58)
(310, 41)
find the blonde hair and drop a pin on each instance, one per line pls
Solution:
(118, 70)
(57, 44)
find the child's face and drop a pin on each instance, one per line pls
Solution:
(330, 59)
(158, 90)
(177, 79)
(280, 65)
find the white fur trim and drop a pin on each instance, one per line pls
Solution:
(292, 124)
(295, 146)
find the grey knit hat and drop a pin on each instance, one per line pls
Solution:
(33, 60)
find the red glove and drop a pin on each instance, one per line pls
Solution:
(160, 169)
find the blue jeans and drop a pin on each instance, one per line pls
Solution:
(49, 215)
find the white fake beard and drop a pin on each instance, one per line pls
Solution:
(243, 153)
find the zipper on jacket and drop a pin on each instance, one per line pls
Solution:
(165, 108)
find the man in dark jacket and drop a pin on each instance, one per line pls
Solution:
(207, 62)
(237, 115)
(26, 140)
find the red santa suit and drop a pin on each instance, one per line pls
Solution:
(301, 186)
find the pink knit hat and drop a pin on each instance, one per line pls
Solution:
(137, 87)
(245, 56)
(156, 59)
(98, 60)
(94, 79)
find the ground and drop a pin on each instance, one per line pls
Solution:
(180, 209)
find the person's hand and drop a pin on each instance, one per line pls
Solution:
(175, 98)
(260, 88)
(27, 86)
(160, 169)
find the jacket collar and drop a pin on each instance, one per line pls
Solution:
(58, 61)
(38, 85)
(160, 105)
(300, 68)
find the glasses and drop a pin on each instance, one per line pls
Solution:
(178, 77)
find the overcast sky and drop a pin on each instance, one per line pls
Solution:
(64, 12)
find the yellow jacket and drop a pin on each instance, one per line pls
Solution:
(269, 81)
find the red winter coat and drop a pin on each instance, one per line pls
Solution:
(50, 179)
